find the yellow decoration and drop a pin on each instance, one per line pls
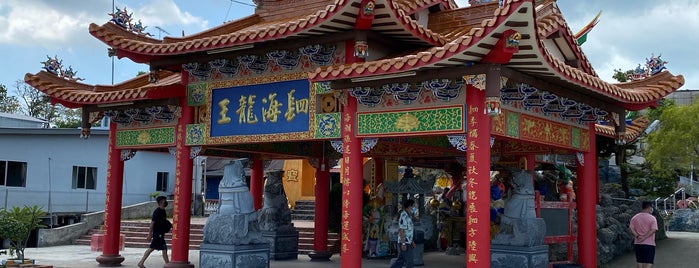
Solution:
(443, 182)
(144, 137)
(407, 122)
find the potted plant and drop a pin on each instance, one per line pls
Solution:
(153, 195)
(16, 224)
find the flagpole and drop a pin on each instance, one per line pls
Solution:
(112, 56)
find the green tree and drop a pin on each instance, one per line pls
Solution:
(68, 118)
(17, 223)
(8, 104)
(621, 76)
(675, 143)
(35, 103)
(664, 104)
(652, 182)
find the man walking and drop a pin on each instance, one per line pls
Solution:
(405, 235)
(643, 226)
(156, 233)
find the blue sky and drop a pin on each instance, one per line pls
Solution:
(628, 32)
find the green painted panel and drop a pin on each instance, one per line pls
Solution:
(322, 87)
(195, 134)
(418, 121)
(575, 137)
(196, 94)
(512, 124)
(327, 126)
(141, 137)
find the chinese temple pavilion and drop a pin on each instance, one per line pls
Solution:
(422, 82)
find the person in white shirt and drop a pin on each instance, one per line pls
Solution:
(405, 235)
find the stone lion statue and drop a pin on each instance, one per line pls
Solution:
(519, 225)
(275, 214)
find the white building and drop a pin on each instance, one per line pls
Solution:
(18, 120)
(66, 175)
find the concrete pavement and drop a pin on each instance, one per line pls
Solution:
(82, 257)
(679, 250)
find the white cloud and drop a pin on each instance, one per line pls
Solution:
(166, 13)
(622, 39)
(40, 23)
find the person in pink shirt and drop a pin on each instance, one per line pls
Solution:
(643, 226)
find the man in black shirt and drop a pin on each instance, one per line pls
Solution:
(156, 234)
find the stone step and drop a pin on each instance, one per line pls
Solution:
(302, 217)
(304, 206)
(136, 231)
(193, 244)
(304, 212)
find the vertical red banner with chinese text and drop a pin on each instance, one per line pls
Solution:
(112, 211)
(183, 191)
(477, 179)
(351, 178)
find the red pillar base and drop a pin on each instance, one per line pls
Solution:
(110, 260)
(173, 264)
(320, 255)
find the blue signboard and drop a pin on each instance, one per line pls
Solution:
(273, 108)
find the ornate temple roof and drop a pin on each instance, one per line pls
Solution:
(73, 94)
(281, 20)
(633, 130)
(533, 58)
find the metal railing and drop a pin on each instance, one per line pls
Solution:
(675, 204)
(78, 200)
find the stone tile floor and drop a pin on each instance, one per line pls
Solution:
(681, 249)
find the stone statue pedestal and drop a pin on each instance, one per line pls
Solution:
(283, 245)
(220, 255)
(502, 256)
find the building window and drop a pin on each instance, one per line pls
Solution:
(161, 182)
(84, 177)
(13, 173)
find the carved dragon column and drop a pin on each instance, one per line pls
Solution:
(587, 202)
(183, 189)
(112, 212)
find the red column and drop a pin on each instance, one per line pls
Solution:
(587, 201)
(478, 180)
(352, 171)
(183, 192)
(256, 182)
(112, 211)
(379, 169)
(320, 237)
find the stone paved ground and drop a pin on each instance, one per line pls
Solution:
(680, 250)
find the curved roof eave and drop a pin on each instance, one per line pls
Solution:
(74, 94)
(553, 22)
(633, 130)
(470, 47)
(412, 6)
(122, 39)
(397, 13)
(532, 58)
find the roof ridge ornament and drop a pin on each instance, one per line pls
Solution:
(55, 66)
(123, 19)
(653, 66)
